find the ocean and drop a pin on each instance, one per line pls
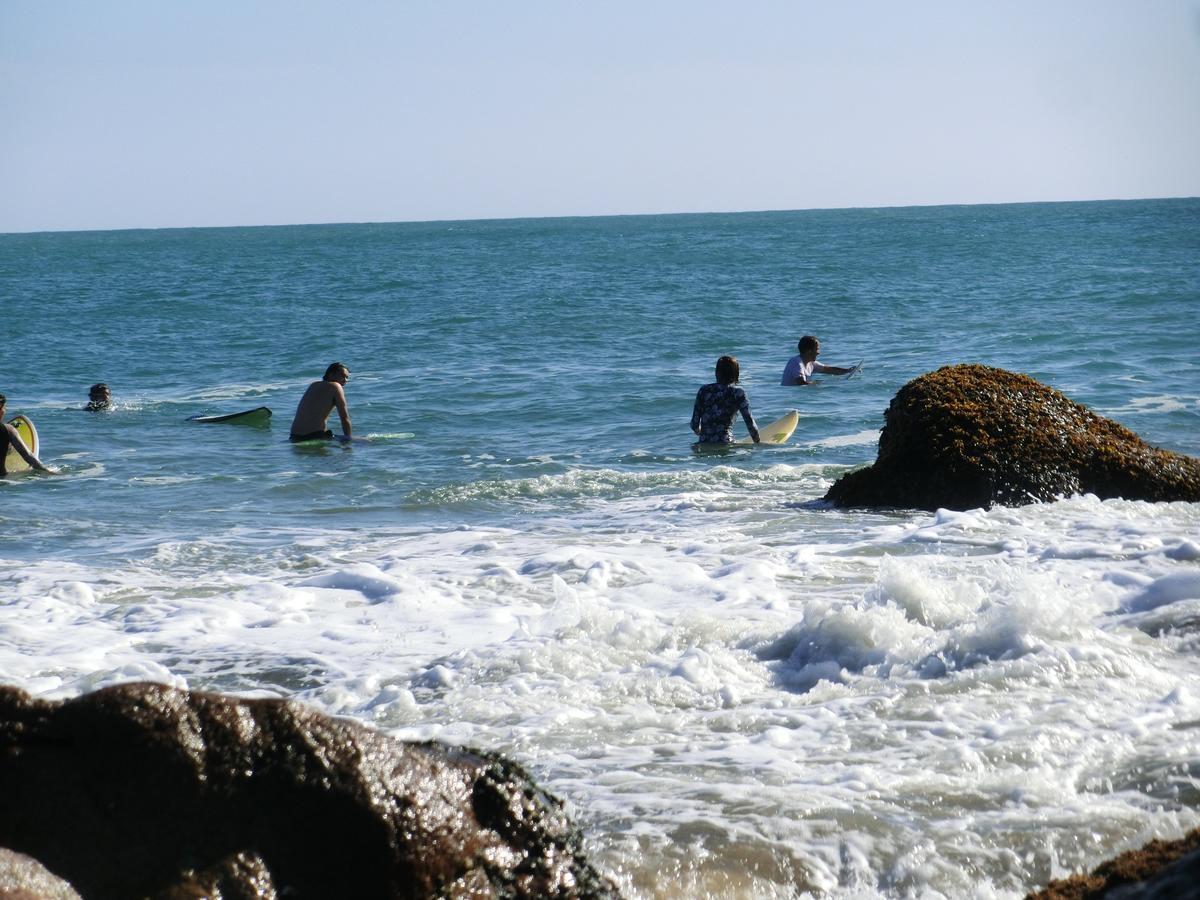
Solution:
(739, 691)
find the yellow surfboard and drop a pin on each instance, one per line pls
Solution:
(777, 432)
(13, 462)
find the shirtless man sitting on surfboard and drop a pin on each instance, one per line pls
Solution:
(10, 438)
(318, 402)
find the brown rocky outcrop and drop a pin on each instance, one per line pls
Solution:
(969, 436)
(142, 790)
(1161, 870)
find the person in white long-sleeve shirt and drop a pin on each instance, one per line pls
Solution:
(800, 368)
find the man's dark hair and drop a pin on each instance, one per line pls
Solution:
(334, 369)
(807, 342)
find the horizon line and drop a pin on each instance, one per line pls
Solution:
(534, 218)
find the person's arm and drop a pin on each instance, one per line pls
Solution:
(339, 400)
(19, 445)
(744, 406)
(696, 414)
(831, 370)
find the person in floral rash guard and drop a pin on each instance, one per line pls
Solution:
(718, 403)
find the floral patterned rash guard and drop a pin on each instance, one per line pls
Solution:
(716, 405)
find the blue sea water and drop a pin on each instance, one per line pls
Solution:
(740, 691)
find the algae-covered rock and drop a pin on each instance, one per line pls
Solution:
(969, 436)
(143, 790)
(1161, 870)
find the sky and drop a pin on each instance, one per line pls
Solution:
(145, 114)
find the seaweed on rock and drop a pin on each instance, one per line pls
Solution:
(969, 436)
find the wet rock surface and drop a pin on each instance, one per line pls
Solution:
(145, 790)
(970, 436)
(24, 878)
(1161, 870)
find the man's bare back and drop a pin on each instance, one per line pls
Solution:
(319, 400)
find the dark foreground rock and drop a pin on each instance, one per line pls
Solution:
(142, 790)
(1161, 870)
(971, 436)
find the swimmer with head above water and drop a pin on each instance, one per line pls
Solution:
(319, 400)
(99, 397)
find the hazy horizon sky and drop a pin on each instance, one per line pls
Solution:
(135, 113)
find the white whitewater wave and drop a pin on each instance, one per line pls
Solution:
(869, 437)
(1158, 404)
(584, 484)
(833, 695)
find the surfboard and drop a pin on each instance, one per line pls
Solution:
(854, 370)
(259, 416)
(13, 461)
(777, 432)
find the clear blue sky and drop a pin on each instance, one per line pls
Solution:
(144, 113)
